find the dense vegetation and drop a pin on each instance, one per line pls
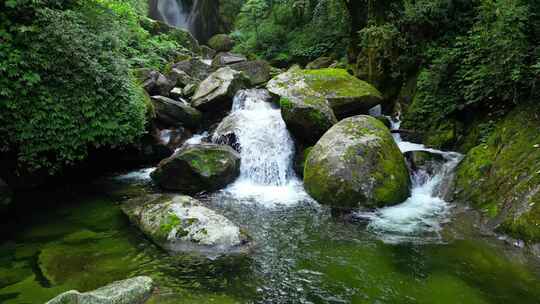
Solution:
(65, 82)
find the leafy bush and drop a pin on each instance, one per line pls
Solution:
(65, 80)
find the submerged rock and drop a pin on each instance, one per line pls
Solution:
(181, 224)
(131, 291)
(357, 164)
(221, 43)
(172, 113)
(257, 71)
(196, 168)
(215, 93)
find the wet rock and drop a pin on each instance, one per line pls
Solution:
(207, 53)
(423, 160)
(357, 164)
(194, 67)
(221, 43)
(196, 168)
(174, 138)
(225, 133)
(181, 224)
(180, 78)
(176, 94)
(131, 291)
(174, 113)
(215, 93)
(258, 71)
(320, 63)
(224, 59)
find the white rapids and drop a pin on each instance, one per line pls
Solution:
(267, 152)
(420, 217)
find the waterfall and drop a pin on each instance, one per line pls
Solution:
(419, 218)
(266, 150)
(173, 12)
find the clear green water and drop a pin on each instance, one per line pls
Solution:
(79, 239)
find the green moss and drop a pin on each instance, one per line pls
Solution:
(172, 221)
(338, 83)
(285, 103)
(501, 177)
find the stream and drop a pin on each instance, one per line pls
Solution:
(420, 251)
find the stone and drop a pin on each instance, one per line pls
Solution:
(196, 68)
(225, 58)
(357, 164)
(216, 92)
(182, 224)
(207, 53)
(131, 291)
(320, 63)
(258, 71)
(424, 160)
(155, 83)
(196, 168)
(221, 43)
(176, 93)
(180, 78)
(174, 113)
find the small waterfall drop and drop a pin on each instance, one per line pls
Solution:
(266, 150)
(173, 12)
(419, 218)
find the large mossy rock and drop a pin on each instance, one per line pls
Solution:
(221, 43)
(357, 164)
(501, 177)
(174, 113)
(202, 167)
(131, 291)
(216, 92)
(181, 224)
(346, 94)
(306, 112)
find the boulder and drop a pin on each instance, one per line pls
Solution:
(131, 291)
(154, 82)
(174, 138)
(176, 94)
(346, 94)
(180, 78)
(174, 113)
(357, 164)
(307, 118)
(424, 160)
(196, 168)
(216, 92)
(224, 59)
(258, 71)
(221, 43)
(320, 63)
(189, 90)
(181, 224)
(225, 133)
(196, 68)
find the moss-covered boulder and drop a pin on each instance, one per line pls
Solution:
(172, 113)
(357, 164)
(306, 113)
(221, 43)
(181, 224)
(202, 167)
(131, 291)
(216, 92)
(346, 94)
(502, 176)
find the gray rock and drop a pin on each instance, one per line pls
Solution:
(357, 164)
(215, 93)
(176, 113)
(196, 168)
(194, 67)
(181, 224)
(258, 71)
(320, 63)
(180, 78)
(176, 93)
(131, 291)
(423, 160)
(224, 59)
(189, 90)
(207, 53)
(225, 133)
(155, 83)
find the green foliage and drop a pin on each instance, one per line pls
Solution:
(65, 80)
(292, 30)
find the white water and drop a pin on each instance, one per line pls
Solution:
(420, 217)
(266, 150)
(173, 13)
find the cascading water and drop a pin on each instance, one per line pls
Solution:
(266, 149)
(419, 218)
(173, 12)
